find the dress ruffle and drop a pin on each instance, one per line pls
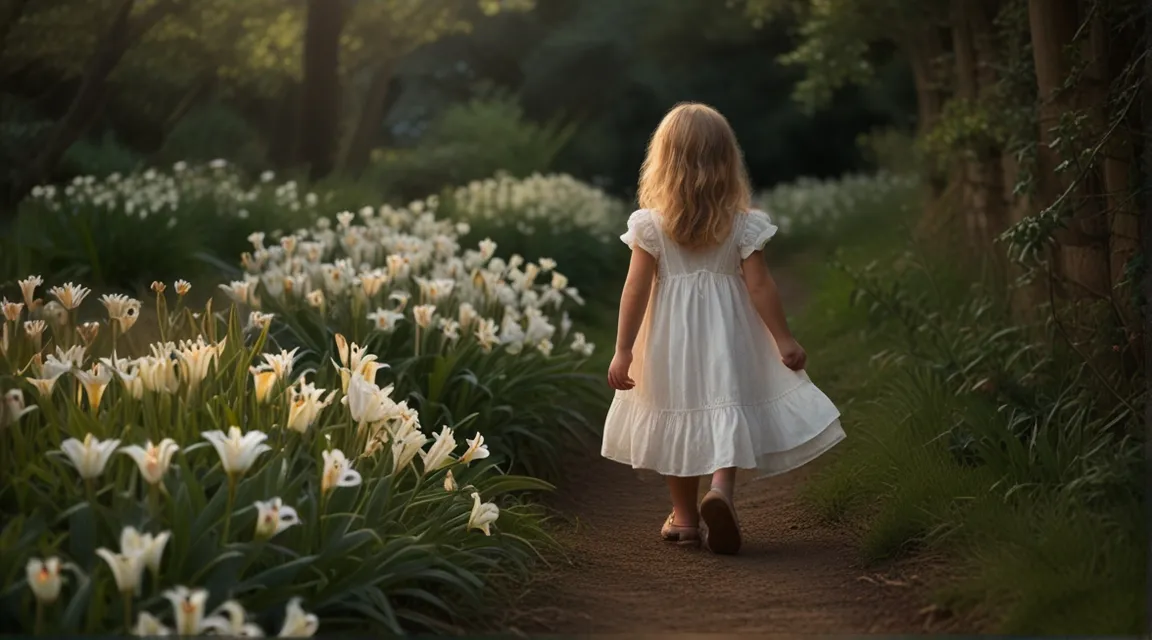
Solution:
(774, 437)
(642, 231)
(758, 230)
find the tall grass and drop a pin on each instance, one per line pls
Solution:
(980, 437)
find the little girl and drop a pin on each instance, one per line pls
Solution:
(708, 377)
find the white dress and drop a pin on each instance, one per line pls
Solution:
(711, 391)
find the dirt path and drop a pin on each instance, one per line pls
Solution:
(794, 575)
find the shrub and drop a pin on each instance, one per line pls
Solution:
(809, 210)
(984, 436)
(234, 482)
(471, 141)
(547, 216)
(128, 230)
(101, 156)
(214, 131)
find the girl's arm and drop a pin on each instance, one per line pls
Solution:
(766, 299)
(633, 305)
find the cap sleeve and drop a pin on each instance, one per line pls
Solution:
(642, 232)
(758, 230)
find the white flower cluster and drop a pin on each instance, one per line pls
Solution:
(810, 204)
(152, 192)
(554, 202)
(406, 265)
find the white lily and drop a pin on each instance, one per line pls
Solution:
(483, 515)
(264, 381)
(149, 547)
(127, 569)
(237, 450)
(450, 482)
(91, 456)
(94, 382)
(405, 446)
(367, 402)
(14, 407)
(147, 626)
(121, 309)
(188, 609)
(196, 358)
(44, 386)
(477, 450)
(11, 310)
(35, 329)
(281, 363)
(440, 453)
(28, 289)
(70, 295)
(305, 405)
(44, 579)
(274, 517)
(298, 623)
(385, 319)
(423, 314)
(230, 620)
(338, 472)
(153, 459)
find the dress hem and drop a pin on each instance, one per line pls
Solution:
(833, 434)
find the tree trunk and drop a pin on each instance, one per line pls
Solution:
(9, 16)
(372, 112)
(320, 99)
(1141, 339)
(1116, 165)
(120, 36)
(966, 173)
(1082, 252)
(923, 51)
(923, 48)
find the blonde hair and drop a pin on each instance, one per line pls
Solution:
(694, 176)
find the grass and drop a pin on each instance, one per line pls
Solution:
(1052, 558)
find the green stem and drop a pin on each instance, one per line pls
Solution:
(39, 629)
(90, 489)
(228, 510)
(154, 501)
(415, 490)
(127, 611)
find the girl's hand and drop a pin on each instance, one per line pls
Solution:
(792, 354)
(618, 371)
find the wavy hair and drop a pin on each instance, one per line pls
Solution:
(694, 176)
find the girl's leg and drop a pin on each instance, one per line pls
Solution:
(684, 494)
(724, 481)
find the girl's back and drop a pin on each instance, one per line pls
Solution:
(708, 376)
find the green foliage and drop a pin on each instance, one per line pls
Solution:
(472, 340)
(472, 141)
(374, 543)
(101, 157)
(811, 212)
(982, 438)
(124, 231)
(214, 131)
(890, 150)
(547, 216)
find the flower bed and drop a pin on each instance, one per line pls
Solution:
(328, 450)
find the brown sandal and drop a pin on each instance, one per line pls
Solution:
(721, 529)
(681, 535)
